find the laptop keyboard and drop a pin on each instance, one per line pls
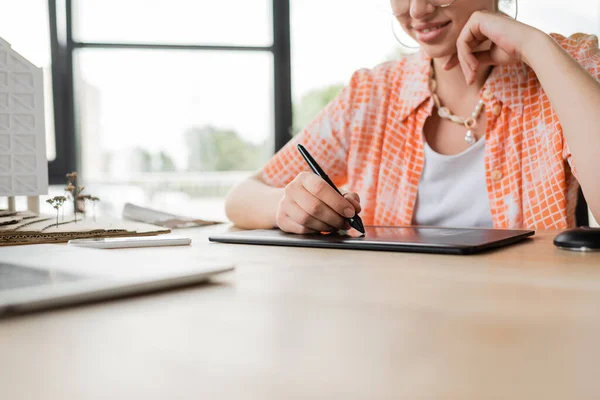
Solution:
(14, 276)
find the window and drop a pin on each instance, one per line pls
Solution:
(241, 23)
(172, 111)
(174, 101)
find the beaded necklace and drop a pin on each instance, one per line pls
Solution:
(469, 123)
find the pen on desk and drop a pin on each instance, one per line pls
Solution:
(355, 221)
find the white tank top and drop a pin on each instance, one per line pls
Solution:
(452, 191)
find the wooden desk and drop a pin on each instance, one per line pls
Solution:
(291, 323)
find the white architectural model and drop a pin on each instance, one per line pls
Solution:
(23, 164)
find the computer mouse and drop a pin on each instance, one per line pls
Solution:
(579, 239)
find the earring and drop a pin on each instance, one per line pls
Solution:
(398, 39)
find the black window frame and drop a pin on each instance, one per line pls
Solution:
(63, 46)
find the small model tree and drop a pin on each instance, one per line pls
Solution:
(57, 202)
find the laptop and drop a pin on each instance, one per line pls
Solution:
(404, 239)
(55, 276)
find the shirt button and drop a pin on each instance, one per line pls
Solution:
(496, 175)
(497, 110)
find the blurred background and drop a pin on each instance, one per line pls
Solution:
(167, 104)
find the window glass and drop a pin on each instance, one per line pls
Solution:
(174, 22)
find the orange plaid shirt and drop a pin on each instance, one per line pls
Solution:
(369, 139)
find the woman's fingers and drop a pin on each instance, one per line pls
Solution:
(504, 34)
(471, 37)
(494, 56)
(300, 216)
(311, 205)
(354, 199)
(317, 209)
(321, 190)
(451, 63)
(287, 224)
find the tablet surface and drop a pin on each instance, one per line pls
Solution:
(407, 239)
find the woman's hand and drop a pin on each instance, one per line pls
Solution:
(509, 39)
(311, 205)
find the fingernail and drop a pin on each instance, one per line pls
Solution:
(349, 212)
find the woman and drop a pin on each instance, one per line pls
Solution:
(493, 123)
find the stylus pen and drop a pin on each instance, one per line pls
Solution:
(355, 221)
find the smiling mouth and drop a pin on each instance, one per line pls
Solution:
(434, 28)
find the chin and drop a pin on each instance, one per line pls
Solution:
(439, 50)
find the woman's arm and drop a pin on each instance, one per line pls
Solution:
(572, 91)
(307, 204)
(252, 204)
(575, 97)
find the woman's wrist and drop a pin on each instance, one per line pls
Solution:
(253, 204)
(271, 206)
(535, 45)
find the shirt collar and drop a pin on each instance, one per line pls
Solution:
(505, 84)
(413, 87)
